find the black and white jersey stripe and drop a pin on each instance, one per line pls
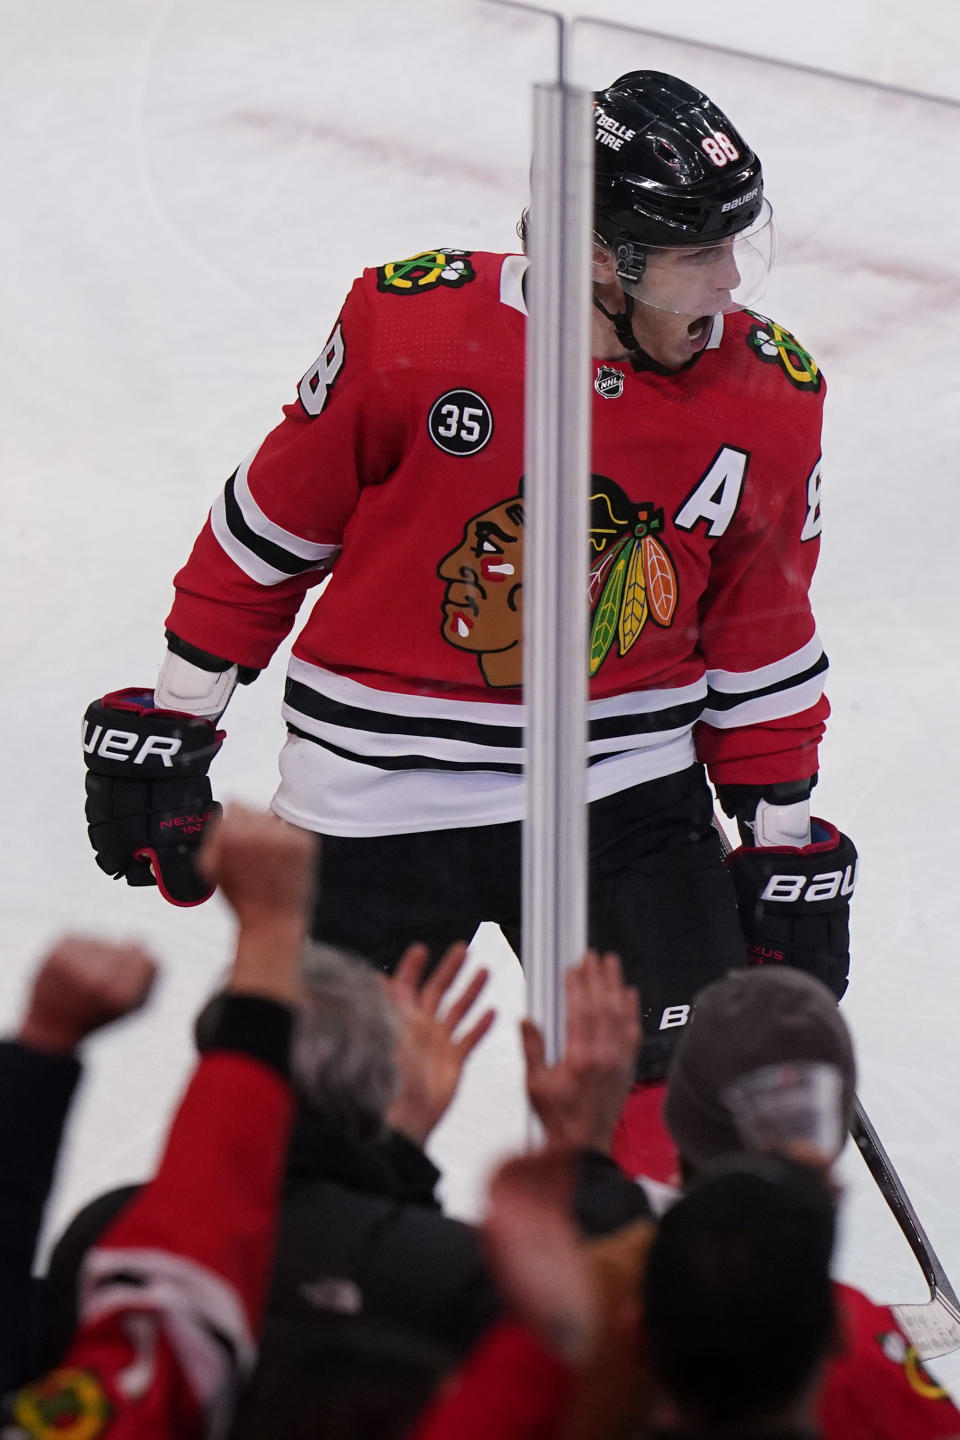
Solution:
(411, 732)
(362, 761)
(772, 692)
(200, 1313)
(262, 549)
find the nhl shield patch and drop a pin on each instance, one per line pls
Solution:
(609, 382)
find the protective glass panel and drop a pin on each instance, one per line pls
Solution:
(191, 190)
(864, 300)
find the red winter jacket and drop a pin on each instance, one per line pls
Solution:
(513, 1388)
(510, 1387)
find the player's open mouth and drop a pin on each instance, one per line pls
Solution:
(698, 330)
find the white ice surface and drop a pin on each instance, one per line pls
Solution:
(188, 190)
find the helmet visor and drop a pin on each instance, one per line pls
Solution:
(709, 279)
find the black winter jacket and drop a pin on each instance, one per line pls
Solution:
(361, 1235)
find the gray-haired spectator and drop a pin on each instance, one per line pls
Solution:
(361, 1238)
(362, 1234)
(344, 1056)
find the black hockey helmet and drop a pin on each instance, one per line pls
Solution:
(670, 170)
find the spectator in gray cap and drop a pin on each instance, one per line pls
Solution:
(766, 1063)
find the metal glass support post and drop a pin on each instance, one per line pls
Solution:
(557, 469)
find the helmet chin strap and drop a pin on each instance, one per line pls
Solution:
(622, 322)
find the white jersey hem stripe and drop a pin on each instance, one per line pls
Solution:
(332, 795)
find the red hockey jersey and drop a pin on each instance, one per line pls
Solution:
(399, 470)
(173, 1295)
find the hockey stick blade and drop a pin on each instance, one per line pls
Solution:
(933, 1328)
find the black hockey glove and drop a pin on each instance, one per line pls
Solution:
(148, 796)
(795, 903)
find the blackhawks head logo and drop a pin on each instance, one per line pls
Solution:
(632, 578)
(482, 604)
(778, 347)
(425, 271)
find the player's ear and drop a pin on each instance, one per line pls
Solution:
(604, 269)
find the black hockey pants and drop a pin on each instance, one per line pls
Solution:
(658, 895)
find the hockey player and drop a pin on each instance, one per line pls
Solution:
(397, 470)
